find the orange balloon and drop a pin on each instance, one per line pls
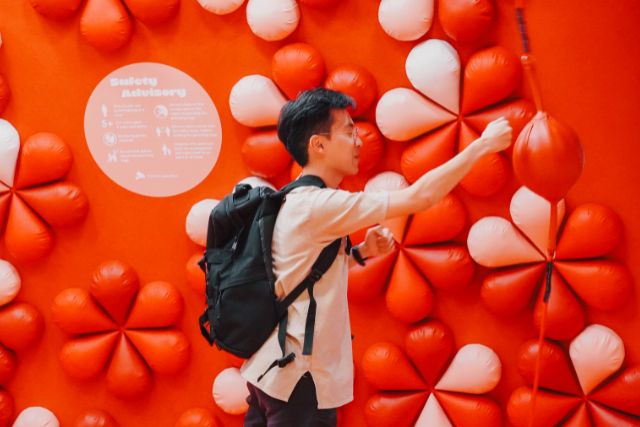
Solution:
(508, 292)
(264, 154)
(128, 376)
(44, 157)
(550, 407)
(366, 282)
(372, 148)
(113, 285)
(153, 12)
(27, 238)
(85, 357)
(470, 411)
(59, 204)
(409, 297)
(56, 9)
(386, 367)
(165, 351)
(547, 157)
(592, 230)
(605, 417)
(158, 305)
(448, 267)
(95, 418)
(297, 67)
(394, 410)
(602, 284)
(491, 75)
(195, 275)
(556, 372)
(466, 20)
(441, 222)
(428, 152)
(7, 364)
(319, 3)
(430, 347)
(565, 315)
(5, 93)
(197, 417)
(356, 82)
(621, 392)
(7, 408)
(22, 325)
(76, 313)
(106, 24)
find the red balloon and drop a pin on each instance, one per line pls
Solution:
(356, 82)
(297, 67)
(56, 9)
(197, 417)
(7, 408)
(7, 364)
(548, 157)
(466, 20)
(264, 154)
(95, 418)
(5, 94)
(319, 3)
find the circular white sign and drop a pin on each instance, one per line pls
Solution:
(152, 129)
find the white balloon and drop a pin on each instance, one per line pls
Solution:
(36, 416)
(433, 67)
(406, 19)
(272, 20)
(256, 101)
(198, 220)
(531, 214)
(386, 181)
(221, 7)
(475, 369)
(403, 114)
(495, 242)
(255, 181)
(9, 282)
(230, 391)
(9, 148)
(596, 354)
(433, 415)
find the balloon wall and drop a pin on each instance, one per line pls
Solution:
(100, 290)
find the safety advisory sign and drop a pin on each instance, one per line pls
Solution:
(152, 129)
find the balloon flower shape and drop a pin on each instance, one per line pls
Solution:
(589, 388)
(122, 325)
(519, 249)
(425, 257)
(270, 20)
(440, 118)
(426, 385)
(108, 24)
(33, 195)
(21, 326)
(256, 101)
(462, 20)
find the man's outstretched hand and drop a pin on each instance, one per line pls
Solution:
(496, 136)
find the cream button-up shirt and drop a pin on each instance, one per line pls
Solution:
(310, 219)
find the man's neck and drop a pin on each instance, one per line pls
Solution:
(330, 178)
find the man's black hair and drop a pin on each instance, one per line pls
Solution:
(309, 114)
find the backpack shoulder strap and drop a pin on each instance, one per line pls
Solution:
(304, 181)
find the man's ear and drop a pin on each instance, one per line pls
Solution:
(316, 144)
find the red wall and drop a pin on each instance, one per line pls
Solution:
(588, 56)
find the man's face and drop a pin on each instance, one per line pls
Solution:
(342, 147)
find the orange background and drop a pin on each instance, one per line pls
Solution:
(589, 70)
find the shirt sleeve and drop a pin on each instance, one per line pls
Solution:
(337, 213)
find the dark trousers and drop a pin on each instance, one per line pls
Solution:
(301, 410)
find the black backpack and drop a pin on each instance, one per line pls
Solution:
(242, 309)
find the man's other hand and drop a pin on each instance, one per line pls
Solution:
(378, 241)
(496, 136)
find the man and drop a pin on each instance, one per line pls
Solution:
(320, 135)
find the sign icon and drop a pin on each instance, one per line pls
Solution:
(166, 150)
(112, 157)
(140, 175)
(161, 111)
(110, 139)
